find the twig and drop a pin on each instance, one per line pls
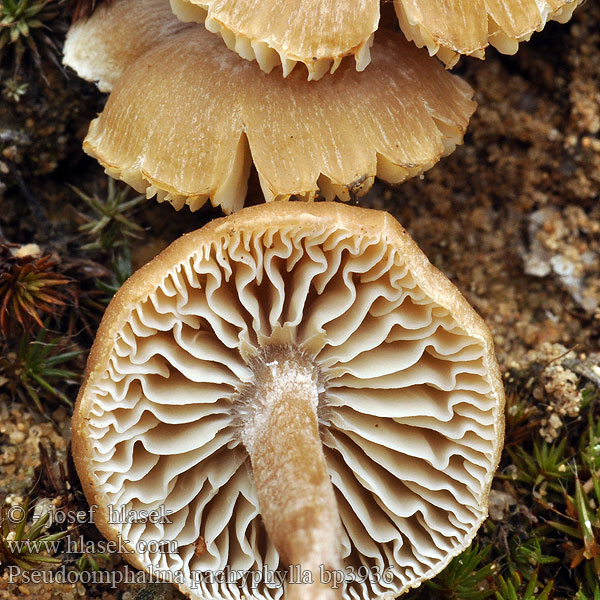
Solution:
(37, 212)
(585, 369)
(552, 360)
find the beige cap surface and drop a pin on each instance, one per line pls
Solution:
(101, 47)
(450, 28)
(411, 409)
(187, 119)
(318, 33)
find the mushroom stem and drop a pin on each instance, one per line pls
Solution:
(281, 433)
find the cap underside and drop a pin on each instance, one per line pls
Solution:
(413, 394)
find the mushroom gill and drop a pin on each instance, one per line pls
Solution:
(186, 121)
(450, 28)
(291, 340)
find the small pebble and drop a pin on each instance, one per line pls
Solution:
(17, 437)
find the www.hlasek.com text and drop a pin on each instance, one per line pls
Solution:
(72, 544)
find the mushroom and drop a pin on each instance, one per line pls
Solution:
(186, 120)
(452, 28)
(294, 384)
(90, 47)
(318, 34)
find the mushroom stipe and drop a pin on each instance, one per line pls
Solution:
(293, 385)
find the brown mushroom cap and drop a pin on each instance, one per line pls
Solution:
(187, 119)
(318, 33)
(450, 28)
(411, 408)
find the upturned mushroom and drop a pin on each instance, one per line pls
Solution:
(319, 34)
(187, 119)
(303, 396)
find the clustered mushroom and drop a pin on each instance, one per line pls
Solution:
(295, 385)
(186, 120)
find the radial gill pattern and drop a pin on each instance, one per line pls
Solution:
(411, 414)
